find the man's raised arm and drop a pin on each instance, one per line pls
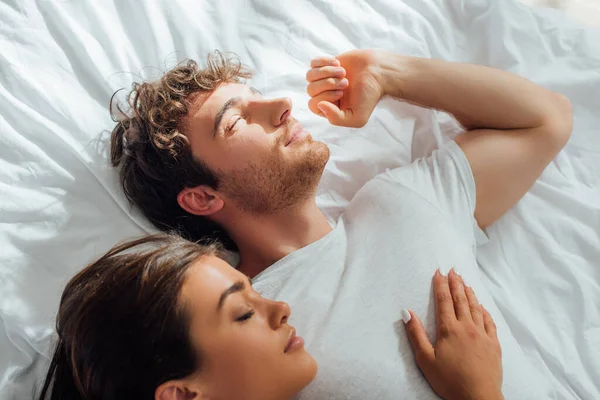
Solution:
(515, 127)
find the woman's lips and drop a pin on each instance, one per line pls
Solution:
(294, 342)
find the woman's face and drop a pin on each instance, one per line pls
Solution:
(247, 348)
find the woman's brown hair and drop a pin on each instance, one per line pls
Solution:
(122, 329)
(150, 148)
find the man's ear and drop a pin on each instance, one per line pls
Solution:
(178, 390)
(200, 200)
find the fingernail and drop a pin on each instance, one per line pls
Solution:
(455, 271)
(406, 317)
(334, 62)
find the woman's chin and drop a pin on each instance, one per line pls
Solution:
(307, 369)
(314, 367)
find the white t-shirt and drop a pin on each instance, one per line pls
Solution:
(346, 290)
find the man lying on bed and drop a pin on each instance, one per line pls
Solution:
(210, 156)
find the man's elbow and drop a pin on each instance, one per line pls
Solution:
(560, 123)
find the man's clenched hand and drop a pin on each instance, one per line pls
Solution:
(345, 89)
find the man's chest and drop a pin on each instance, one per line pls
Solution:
(346, 300)
(347, 308)
(359, 341)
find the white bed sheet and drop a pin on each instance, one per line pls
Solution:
(60, 204)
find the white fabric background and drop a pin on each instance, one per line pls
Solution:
(586, 11)
(60, 204)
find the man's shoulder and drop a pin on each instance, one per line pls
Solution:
(434, 177)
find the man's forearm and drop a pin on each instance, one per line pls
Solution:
(477, 96)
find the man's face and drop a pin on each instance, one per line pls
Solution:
(264, 159)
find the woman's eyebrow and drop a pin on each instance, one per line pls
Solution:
(236, 287)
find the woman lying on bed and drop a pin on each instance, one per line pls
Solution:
(163, 318)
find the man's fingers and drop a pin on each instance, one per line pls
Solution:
(332, 96)
(333, 114)
(422, 347)
(476, 310)
(490, 325)
(346, 117)
(317, 87)
(457, 289)
(444, 307)
(323, 61)
(315, 74)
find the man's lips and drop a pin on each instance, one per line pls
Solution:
(295, 132)
(294, 342)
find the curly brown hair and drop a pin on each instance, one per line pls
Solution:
(153, 153)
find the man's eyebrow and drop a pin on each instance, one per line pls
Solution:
(255, 90)
(230, 103)
(236, 287)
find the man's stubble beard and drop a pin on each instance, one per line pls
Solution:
(275, 184)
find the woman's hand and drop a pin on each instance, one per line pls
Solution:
(466, 361)
(345, 89)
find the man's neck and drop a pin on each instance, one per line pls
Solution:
(263, 240)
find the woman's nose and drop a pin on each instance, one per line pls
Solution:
(280, 313)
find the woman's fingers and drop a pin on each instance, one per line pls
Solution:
(457, 289)
(316, 74)
(476, 309)
(331, 96)
(317, 87)
(323, 61)
(444, 307)
(490, 325)
(422, 347)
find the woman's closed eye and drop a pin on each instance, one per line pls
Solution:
(246, 316)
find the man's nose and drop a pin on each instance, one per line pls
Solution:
(281, 110)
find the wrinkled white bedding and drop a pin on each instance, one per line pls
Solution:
(585, 11)
(60, 204)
